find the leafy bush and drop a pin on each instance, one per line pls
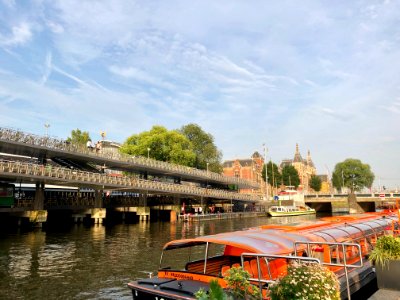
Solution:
(216, 292)
(239, 287)
(306, 281)
(387, 248)
(239, 284)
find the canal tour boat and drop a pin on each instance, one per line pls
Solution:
(283, 211)
(341, 243)
(296, 207)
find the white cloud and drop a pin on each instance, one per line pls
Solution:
(20, 35)
(280, 73)
(47, 68)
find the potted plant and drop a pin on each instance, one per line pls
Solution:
(306, 281)
(386, 257)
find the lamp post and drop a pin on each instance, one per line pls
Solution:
(103, 135)
(47, 125)
(148, 153)
(342, 180)
(207, 177)
(266, 171)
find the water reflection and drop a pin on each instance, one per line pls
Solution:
(97, 262)
(19, 262)
(56, 260)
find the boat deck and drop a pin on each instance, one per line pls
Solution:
(383, 294)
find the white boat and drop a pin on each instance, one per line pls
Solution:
(282, 211)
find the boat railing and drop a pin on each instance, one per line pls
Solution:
(355, 261)
(267, 258)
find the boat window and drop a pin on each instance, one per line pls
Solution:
(377, 225)
(321, 236)
(367, 230)
(351, 231)
(336, 233)
(176, 259)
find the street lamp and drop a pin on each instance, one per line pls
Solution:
(148, 153)
(103, 135)
(47, 125)
(266, 171)
(342, 180)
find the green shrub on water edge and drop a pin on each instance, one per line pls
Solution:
(387, 248)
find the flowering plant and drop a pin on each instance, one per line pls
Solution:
(306, 281)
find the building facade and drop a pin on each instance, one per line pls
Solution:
(305, 168)
(249, 168)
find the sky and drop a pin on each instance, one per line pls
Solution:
(323, 74)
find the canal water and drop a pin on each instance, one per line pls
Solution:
(95, 262)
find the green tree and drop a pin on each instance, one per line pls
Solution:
(161, 144)
(79, 137)
(290, 176)
(315, 183)
(274, 176)
(204, 148)
(353, 174)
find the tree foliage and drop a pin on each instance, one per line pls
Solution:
(204, 148)
(315, 183)
(290, 176)
(353, 174)
(79, 137)
(274, 176)
(161, 144)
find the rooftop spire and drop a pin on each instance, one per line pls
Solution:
(297, 155)
(309, 160)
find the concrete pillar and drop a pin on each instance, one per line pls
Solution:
(354, 206)
(98, 214)
(98, 200)
(173, 216)
(143, 199)
(143, 213)
(38, 202)
(36, 217)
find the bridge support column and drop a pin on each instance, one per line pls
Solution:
(98, 214)
(38, 215)
(38, 203)
(354, 206)
(98, 198)
(143, 213)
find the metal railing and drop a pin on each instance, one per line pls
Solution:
(60, 174)
(339, 249)
(12, 135)
(337, 246)
(268, 257)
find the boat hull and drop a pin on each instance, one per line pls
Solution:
(266, 251)
(165, 288)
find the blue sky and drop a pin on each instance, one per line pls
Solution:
(323, 74)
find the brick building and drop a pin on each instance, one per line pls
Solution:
(249, 168)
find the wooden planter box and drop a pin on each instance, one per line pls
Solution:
(388, 277)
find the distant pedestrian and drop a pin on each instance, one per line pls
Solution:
(98, 146)
(89, 145)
